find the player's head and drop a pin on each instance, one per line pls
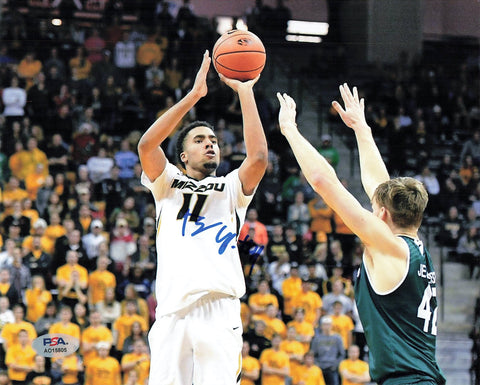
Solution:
(405, 198)
(197, 146)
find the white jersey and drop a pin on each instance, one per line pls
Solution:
(197, 227)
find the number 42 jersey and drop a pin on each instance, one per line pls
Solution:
(197, 227)
(401, 325)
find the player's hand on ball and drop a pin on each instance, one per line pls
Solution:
(237, 85)
(287, 114)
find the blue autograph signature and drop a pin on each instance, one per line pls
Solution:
(222, 239)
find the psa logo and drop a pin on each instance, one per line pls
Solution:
(55, 345)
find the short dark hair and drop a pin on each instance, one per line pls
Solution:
(184, 132)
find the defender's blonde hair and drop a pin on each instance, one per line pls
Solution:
(405, 198)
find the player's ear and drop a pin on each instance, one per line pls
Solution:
(183, 157)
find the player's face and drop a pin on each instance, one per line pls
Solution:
(201, 151)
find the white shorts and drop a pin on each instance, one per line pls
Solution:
(200, 345)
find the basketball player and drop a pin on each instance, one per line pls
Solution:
(395, 291)
(197, 335)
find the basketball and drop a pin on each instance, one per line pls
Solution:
(239, 55)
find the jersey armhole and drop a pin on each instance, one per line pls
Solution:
(370, 281)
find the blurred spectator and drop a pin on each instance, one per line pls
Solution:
(250, 366)
(125, 56)
(80, 69)
(28, 68)
(298, 215)
(291, 287)
(139, 192)
(295, 351)
(65, 324)
(145, 257)
(275, 363)
(310, 373)
(279, 269)
(6, 316)
(468, 250)
(18, 218)
(20, 358)
(104, 368)
(53, 60)
(321, 219)
(40, 371)
(19, 273)
(94, 46)
(57, 154)
(273, 324)
(6, 288)
(472, 147)
(251, 221)
(328, 351)
(122, 327)
(126, 159)
(256, 338)
(310, 301)
(85, 144)
(39, 261)
(6, 255)
(14, 99)
(259, 301)
(337, 294)
(71, 369)
(42, 325)
(353, 370)
(122, 243)
(34, 180)
(99, 280)
(137, 334)
(92, 240)
(328, 150)
(109, 308)
(304, 329)
(112, 191)
(10, 331)
(138, 360)
(99, 167)
(37, 297)
(39, 100)
(429, 179)
(342, 324)
(72, 280)
(451, 228)
(92, 335)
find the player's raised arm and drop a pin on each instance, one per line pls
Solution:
(253, 167)
(151, 155)
(372, 167)
(322, 177)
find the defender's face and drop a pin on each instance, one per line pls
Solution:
(201, 149)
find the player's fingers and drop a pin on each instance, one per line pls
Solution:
(348, 93)
(336, 105)
(355, 94)
(280, 99)
(290, 102)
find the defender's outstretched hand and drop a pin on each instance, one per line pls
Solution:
(354, 113)
(200, 85)
(287, 114)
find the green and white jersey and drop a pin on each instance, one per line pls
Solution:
(401, 325)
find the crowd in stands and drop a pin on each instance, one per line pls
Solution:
(78, 228)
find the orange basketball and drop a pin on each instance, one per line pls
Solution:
(239, 55)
